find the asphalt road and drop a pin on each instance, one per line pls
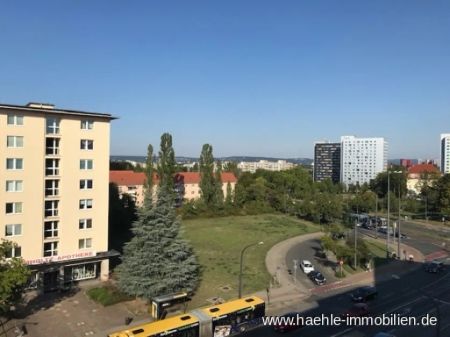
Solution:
(413, 291)
(308, 250)
(418, 292)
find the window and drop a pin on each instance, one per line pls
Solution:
(15, 251)
(51, 248)
(14, 141)
(82, 272)
(84, 243)
(14, 185)
(51, 188)
(86, 184)
(87, 124)
(52, 125)
(52, 146)
(51, 208)
(51, 167)
(87, 144)
(15, 119)
(86, 164)
(12, 230)
(50, 229)
(85, 203)
(14, 163)
(85, 224)
(13, 207)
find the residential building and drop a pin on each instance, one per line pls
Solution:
(445, 153)
(421, 175)
(54, 174)
(327, 161)
(186, 183)
(362, 159)
(279, 165)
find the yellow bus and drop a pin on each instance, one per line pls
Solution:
(226, 319)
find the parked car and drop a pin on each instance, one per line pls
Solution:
(364, 294)
(434, 266)
(285, 327)
(306, 266)
(317, 277)
(357, 310)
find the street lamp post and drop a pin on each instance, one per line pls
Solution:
(388, 211)
(242, 263)
(398, 226)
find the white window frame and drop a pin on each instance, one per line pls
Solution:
(79, 272)
(84, 224)
(86, 203)
(52, 150)
(14, 185)
(54, 169)
(53, 189)
(53, 250)
(85, 243)
(87, 124)
(17, 120)
(53, 127)
(16, 230)
(87, 144)
(53, 230)
(85, 182)
(15, 207)
(14, 162)
(53, 209)
(13, 252)
(14, 141)
(85, 163)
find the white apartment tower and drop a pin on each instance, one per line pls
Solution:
(362, 159)
(54, 174)
(445, 153)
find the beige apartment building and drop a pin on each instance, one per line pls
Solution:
(186, 183)
(54, 194)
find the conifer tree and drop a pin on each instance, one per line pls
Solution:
(157, 261)
(148, 197)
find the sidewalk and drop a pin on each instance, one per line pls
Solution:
(288, 293)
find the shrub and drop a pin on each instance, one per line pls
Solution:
(107, 295)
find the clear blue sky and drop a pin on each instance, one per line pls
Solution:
(249, 77)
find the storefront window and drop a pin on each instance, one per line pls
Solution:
(81, 272)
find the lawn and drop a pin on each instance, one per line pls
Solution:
(219, 241)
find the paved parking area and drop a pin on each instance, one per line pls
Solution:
(74, 315)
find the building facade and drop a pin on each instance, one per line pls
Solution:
(327, 161)
(445, 153)
(280, 165)
(421, 175)
(186, 184)
(54, 175)
(362, 159)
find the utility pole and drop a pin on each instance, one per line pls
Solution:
(398, 226)
(356, 235)
(376, 216)
(388, 209)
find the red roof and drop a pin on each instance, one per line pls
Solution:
(130, 178)
(126, 178)
(423, 168)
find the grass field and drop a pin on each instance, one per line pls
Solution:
(219, 241)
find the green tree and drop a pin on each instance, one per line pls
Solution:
(14, 275)
(229, 197)
(442, 187)
(148, 185)
(232, 166)
(166, 163)
(156, 260)
(210, 183)
(122, 214)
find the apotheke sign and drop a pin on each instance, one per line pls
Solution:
(51, 259)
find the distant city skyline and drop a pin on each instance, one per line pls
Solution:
(254, 78)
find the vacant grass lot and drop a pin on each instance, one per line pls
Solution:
(219, 241)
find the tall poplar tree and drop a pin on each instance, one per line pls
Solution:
(208, 185)
(148, 197)
(157, 261)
